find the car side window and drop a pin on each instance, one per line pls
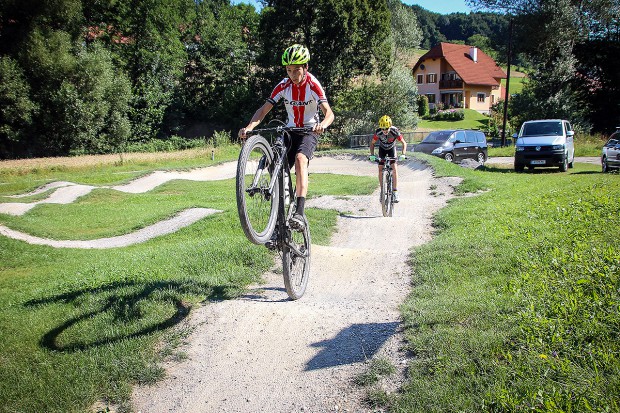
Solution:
(480, 137)
(459, 136)
(470, 136)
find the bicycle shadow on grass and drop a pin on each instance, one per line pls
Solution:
(119, 311)
(356, 343)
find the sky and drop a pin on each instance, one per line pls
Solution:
(437, 6)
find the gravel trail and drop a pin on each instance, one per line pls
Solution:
(265, 353)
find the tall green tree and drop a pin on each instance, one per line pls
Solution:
(556, 35)
(406, 33)
(16, 109)
(346, 38)
(219, 55)
(155, 56)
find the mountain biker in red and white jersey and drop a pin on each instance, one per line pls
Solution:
(387, 135)
(303, 96)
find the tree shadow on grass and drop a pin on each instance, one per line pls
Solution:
(121, 311)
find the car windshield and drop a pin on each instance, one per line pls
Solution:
(437, 137)
(542, 129)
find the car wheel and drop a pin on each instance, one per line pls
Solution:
(605, 167)
(481, 158)
(564, 165)
(449, 157)
(519, 167)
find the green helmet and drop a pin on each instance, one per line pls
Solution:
(295, 55)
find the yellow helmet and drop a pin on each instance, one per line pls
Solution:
(295, 55)
(385, 122)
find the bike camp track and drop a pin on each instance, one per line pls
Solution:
(265, 353)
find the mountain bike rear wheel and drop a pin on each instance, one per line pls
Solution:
(257, 207)
(387, 205)
(296, 262)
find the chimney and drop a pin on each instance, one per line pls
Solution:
(473, 53)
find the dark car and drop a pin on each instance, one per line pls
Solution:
(610, 159)
(454, 145)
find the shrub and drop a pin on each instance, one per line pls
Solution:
(16, 108)
(423, 109)
(449, 114)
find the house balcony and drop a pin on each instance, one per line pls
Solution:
(451, 84)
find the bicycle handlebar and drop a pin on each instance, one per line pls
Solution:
(387, 158)
(280, 129)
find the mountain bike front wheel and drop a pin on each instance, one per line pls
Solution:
(256, 205)
(296, 262)
(387, 204)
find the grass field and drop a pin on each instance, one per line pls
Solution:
(473, 120)
(514, 306)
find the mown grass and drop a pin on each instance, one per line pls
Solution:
(515, 305)
(473, 120)
(78, 326)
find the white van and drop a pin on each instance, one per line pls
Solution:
(544, 143)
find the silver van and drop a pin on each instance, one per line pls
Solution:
(544, 143)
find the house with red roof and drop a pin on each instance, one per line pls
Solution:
(457, 75)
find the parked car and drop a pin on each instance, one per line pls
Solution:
(454, 145)
(544, 143)
(610, 159)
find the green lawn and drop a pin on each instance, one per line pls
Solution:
(516, 83)
(473, 120)
(515, 301)
(78, 326)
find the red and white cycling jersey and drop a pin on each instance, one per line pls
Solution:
(301, 101)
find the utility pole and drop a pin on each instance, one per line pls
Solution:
(507, 83)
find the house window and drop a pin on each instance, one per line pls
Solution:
(431, 78)
(431, 97)
(481, 97)
(420, 79)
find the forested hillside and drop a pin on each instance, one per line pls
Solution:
(487, 29)
(85, 76)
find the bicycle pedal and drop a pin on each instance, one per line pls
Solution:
(271, 245)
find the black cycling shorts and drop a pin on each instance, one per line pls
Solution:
(302, 143)
(386, 152)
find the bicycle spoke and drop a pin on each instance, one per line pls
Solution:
(296, 261)
(256, 205)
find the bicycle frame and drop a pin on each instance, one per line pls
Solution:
(387, 205)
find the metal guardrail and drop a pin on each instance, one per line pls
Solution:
(412, 138)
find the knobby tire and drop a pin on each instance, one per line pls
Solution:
(258, 211)
(387, 205)
(296, 268)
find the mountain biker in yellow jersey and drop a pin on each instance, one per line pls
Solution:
(303, 96)
(387, 135)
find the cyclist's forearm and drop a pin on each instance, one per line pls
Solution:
(259, 115)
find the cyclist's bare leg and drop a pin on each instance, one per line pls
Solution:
(297, 221)
(301, 175)
(380, 176)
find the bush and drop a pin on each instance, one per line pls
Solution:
(16, 108)
(449, 114)
(423, 107)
